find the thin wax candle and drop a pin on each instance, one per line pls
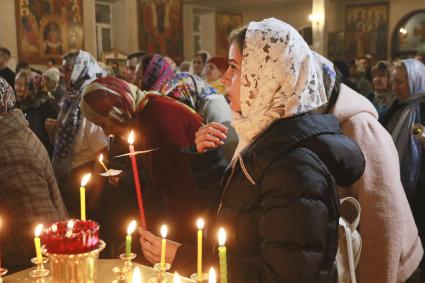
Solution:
(136, 180)
(102, 163)
(200, 225)
(222, 255)
(164, 231)
(84, 182)
(128, 238)
(37, 242)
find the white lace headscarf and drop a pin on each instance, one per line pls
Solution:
(280, 78)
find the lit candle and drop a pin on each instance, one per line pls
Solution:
(200, 224)
(69, 225)
(84, 182)
(37, 242)
(136, 180)
(131, 227)
(212, 278)
(222, 255)
(164, 231)
(176, 278)
(137, 276)
(103, 164)
(0, 243)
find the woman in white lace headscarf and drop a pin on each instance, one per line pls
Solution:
(278, 197)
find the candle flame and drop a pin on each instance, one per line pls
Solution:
(137, 276)
(101, 158)
(222, 236)
(176, 278)
(131, 137)
(85, 179)
(54, 228)
(200, 223)
(212, 278)
(131, 227)
(38, 230)
(164, 231)
(70, 224)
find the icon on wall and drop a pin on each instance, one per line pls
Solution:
(409, 35)
(48, 29)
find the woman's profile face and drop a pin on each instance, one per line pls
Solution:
(232, 77)
(400, 84)
(212, 72)
(109, 127)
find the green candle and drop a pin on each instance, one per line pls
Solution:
(128, 238)
(222, 255)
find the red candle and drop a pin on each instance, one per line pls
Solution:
(136, 180)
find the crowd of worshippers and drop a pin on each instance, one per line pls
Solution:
(264, 142)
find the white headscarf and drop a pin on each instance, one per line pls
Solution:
(280, 78)
(416, 75)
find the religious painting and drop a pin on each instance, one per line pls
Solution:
(161, 27)
(366, 30)
(225, 23)
(48, 29)
(409, 35)
(336, 45)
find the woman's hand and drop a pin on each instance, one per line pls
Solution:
(51, 125)
(151, 247)
(210, 136)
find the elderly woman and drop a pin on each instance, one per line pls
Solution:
(278, 197)
(408, 109)
(36, 104)
(28, 190)
(382, 96)
(154, 73)
(160, 123)
(78, 141)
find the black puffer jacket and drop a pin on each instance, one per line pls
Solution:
(279, 202)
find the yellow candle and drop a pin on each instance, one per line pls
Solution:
(137, 276)
(84, 182)
(200, 224)
(222, 255)
(37, 242)
(176, 278)
(103, 164)
(212, 278)
(130, 229)
(164, 231)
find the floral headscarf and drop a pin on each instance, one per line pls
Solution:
(280, 78)
(7, 97)
(112, 98)
(186, 88)
(157, 72)
(84, 69)
(415, 75)
(33, 84)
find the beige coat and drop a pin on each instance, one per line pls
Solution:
(391, 246)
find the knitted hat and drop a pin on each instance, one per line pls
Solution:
(53, 74)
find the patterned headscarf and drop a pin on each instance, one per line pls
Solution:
(112, 98)
(156, 73)
(7, 97)
(280, 78)
(186, 88)
(33, 84)
(416, 75)
(85, 69)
